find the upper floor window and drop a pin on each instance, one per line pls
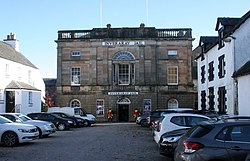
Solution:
(221, 66)
(19, 73)
(7, 70)
(203, 74)
(221, 41)
(172, 75)
(75, 76)
(75, 53)
(30, 76)
(123, 68)
(211, 71)
(172, 52)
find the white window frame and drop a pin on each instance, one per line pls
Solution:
(30, 96)
(176, 75)
(30, 76)
(75, 53)
(172, 103)
(74, 102)
(172, 52)
(7, 70)
(76, 76)
(127, 75)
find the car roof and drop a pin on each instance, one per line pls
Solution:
(183, 114)
(173, 109)
(229, 120)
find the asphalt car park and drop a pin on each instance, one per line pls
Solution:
(102, 142)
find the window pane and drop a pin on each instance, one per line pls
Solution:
(172, 52)
(172, 104)
(75, 76)
(172, 75)
(123, 76)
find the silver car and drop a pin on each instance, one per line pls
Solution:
(45, 128)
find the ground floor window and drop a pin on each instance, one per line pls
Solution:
(100, 108)
(172, 104)
(146, 105)
(211, 98)
(75, 103)
(203, 100)
(222, 100)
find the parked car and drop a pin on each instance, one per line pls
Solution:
(216, 139)
(80, 122)
(156, 114)
(142, 120)
(77, 112)
(175, 121)
(13, 133)
(60, 123)
(169, 141)
(44, 128)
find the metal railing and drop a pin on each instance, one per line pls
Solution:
(102, 33)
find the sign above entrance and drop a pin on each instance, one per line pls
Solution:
(129, 43)
(122, 93)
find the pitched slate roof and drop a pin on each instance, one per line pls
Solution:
(9, 53)
(244, 70)
(20, 85)
(226, 21)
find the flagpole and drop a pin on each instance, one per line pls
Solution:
(146, 12)
(101, 12)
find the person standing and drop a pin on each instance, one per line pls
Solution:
(136, 113)
(110, 115)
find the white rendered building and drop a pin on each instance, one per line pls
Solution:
(221, 57)
(21, 85)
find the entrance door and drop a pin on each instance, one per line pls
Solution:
(10, 101)
(123, 112)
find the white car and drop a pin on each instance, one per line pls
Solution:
(175, 121)
(13, 133)
(44, 128)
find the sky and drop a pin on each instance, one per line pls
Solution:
(36, 22)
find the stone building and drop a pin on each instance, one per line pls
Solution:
(124, 69)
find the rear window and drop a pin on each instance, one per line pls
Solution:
(198, 131)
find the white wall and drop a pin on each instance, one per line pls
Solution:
(244, 95)
(213, 55)
(19, 72)
(242, 41)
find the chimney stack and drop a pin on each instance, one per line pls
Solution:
(12, 41)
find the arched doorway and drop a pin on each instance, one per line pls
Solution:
(123, 109)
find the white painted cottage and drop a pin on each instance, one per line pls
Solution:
(21, 85)
(221, 57)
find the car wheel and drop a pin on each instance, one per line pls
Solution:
(144, 123)
(10, 138)
(61, 126)
(87, 123)
(40, 132)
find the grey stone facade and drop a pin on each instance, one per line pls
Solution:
(105, 57)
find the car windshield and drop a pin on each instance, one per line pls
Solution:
(4, 120)
(23, 117)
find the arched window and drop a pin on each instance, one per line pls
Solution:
(172, 103)
(75, 103)
(123, 68)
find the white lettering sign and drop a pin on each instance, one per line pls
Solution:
(122, 93)
(116, 43)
